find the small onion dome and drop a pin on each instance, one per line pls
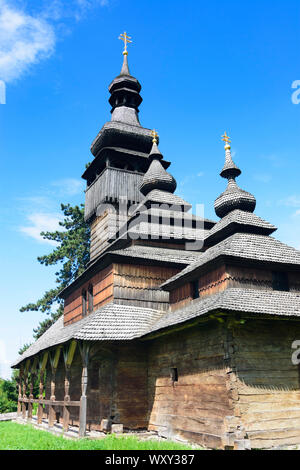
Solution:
(157, 177)
(234, 198)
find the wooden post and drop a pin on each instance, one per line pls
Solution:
(25, 381)
(32, 378)
(68, 359)
(66, 412)
(84, 349)
(54, 363)
(42, 367)
(29, 414)
(20, 383)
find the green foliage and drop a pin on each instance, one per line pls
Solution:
(8, 396)
(72, 254)
(24, 348)
(15, 436)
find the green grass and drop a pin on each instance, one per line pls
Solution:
(14, 436)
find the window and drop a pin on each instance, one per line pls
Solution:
(84, 303)
(174, 374)
(280, 281)
(91, 299)
(195, 289)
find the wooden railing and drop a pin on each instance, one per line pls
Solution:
(31, 365)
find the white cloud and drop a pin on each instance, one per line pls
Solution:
(291, 201)
(76, 9)
(24, 40)
(5, 371)
(41, 222)
(27, 38)
(69, 186)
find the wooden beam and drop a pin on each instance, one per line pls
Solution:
(43, 361)
(54, 359)
(68, 354)
(29, 413)
(25, 378)
(84, 350)
(42, 366)
(27, 365)
(20, 380)
(34, 365)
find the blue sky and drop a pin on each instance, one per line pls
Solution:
(205, 67)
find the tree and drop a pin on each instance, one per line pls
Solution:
(72, 253)
(8, 395)
(24, 347)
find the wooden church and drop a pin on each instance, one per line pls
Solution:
(179, 325)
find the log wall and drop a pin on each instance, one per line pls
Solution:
(235, 383)
(197, 406)
(267, 386)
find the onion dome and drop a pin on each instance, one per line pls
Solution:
(157, 177)
(125, 92)
(233, 197)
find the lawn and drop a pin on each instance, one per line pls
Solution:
(14, 436)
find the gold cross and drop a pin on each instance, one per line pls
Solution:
(155, 136)
(226, 138)
(127, 40)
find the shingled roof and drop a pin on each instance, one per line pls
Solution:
(238, 221)
(125, 322)
(246, 246)
(111, 322)
(261, 302)
(183, 257)
(158, 196)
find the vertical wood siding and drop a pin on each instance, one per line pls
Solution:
(102, 284)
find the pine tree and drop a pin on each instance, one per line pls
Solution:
(72, 253)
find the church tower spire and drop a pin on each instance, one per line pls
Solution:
(125, 92)
(121, 158)
(126, 39)
(233, 197)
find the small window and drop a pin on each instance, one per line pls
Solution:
(174, 374)
(91, 299)
(280, 281)
(84, 303)
(195, 289)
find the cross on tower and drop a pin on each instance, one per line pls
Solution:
(154, 136)
(126, 39)
(226, 138)
(227, 141)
